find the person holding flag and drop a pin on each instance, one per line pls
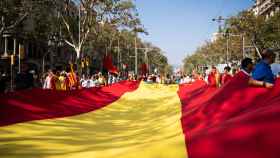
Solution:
(72, 78)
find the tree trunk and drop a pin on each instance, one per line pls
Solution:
(77, 61)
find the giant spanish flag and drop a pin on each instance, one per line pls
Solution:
(140, 124)
(128, 120)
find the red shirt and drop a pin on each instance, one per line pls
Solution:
(212, 79)
(226, 78)
(53, 82)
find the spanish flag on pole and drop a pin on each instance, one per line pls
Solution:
(108, 64)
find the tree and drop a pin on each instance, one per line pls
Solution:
(270, 32)
(96, 18)
(12, 13)
(88, 26)
(248, 24)
(256, 30)
(80, 18)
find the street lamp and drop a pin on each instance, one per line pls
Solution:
(136, 54)
(136, 50)
(6, 35)
(43, 62)
(227, 53)
(220, 19)
(146, 51)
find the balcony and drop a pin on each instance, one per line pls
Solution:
(265, 6)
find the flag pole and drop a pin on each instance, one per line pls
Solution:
(12, 63)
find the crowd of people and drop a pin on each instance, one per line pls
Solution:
(56, 79)
(260, 75)
(69, 80)
(161, 79)
(26, 79)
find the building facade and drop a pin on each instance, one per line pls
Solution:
(266, 8)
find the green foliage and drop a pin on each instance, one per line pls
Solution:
(264, 33)
(12, 14)
(105, 25)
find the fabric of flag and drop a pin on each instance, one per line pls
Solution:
(141, 124)
(108, 64)
(144, 69)
(234, 121)
(38, 104)
(72, 77)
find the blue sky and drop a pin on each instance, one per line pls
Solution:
(178, 27)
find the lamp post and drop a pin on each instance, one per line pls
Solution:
(119, 54)
(6, 35)
(146, 51)
(136, 55)
(227, 35)
(243, 46)
(227, 52)
(220, 20)
(43, 62)
(243, 41)
(12, 74)
(79, 24)
(20, 52)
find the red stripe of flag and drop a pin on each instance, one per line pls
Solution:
(233, 121)
(40, 104)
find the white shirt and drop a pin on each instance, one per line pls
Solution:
(187, 79)
(87, 83)
(47, 83)
(158, 80)
(90, 83)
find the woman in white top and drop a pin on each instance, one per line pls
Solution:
(47, 82)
